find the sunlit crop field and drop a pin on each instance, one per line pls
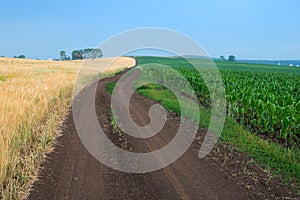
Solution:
(35, 95)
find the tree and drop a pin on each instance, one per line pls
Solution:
(77, 55)
(222, 58)
(86, 54)
(63, 55)
(96, 53)
(20, 56)
(231, 58)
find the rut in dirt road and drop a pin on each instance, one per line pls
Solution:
(71, 172)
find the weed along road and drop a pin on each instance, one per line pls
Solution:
(71, 172)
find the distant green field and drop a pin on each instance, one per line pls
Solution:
(222, 65)
(256, 67)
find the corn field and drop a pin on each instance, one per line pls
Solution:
(264, 99)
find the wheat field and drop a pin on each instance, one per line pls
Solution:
(35, 96)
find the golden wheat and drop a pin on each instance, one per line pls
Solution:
(34, 96)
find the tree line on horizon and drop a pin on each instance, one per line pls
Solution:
(90, 53)
(20, 56)
(80, 54)
(231, 58)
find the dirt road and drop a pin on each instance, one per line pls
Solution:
(70, 172)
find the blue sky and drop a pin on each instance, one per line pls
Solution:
(249, 29)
